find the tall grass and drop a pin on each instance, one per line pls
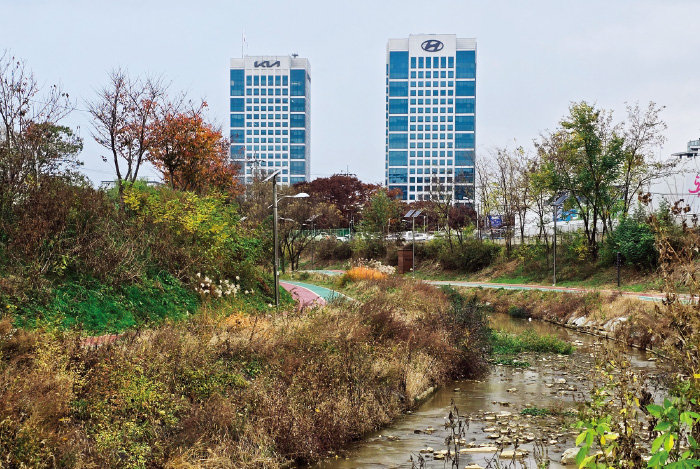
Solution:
(244, 392)
(504, 343)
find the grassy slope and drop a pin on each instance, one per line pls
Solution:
(228, 388)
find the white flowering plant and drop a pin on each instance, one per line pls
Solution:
(208, 287)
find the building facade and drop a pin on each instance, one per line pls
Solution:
(430, 117)
(270, 117)
(692, 151)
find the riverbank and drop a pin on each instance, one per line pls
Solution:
(525, 411)
(604, 314)
(229, 388)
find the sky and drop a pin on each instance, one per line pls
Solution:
(534, 58)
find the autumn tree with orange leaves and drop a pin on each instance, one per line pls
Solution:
(190, 152)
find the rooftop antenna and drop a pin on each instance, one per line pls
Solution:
(295, 55)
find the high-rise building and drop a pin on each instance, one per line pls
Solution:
(430, 117)
(270, 117)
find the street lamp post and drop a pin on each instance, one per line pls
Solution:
(273, 177)
(555, 209)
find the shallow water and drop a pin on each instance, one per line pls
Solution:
(535, 386)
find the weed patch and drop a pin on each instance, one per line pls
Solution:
(504, 343)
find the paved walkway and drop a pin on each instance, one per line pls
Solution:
(307, 294)
(644, 296)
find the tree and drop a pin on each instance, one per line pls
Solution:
(540, 197)
(379, 213)
(509, 190)
(583, 157)
(123, 112)
(345, 191)
(295, 225)
(643, 133)
(191, 154)
(32, 143)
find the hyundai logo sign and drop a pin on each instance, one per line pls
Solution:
(432, 45)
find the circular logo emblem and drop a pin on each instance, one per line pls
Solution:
(432, 45)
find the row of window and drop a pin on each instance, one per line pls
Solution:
(270, 80)
(297, 82)
(461, 140)
(465, 66)
(295, 120)
(292, 180)
(462, 157)
(462, 106)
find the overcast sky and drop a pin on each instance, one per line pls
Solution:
(533, 59)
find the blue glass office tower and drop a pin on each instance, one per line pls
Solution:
(430, 117)
(270, 117)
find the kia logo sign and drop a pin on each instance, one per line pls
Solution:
(266, 64)
(432, 45)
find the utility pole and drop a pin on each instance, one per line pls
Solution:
(554, 274)
(276, 243)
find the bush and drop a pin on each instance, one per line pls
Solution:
(470, 255)
(368, 248)
(330, 249)
(635, 241)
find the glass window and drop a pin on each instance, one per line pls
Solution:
(297, 167)
(398, 106)
(398, 123)
(398, 64)
(237, 120)
(297, 120)
(464, 123)
(398, 88)
(298, 82)
(296, 180)
(398, 175)
(443, 62)
(464, 158)
(397, 158)
(237, 151)
(237, 104)
(450, 62)
(420, 62)
(297, 136)
(464, 140)
(464, 105)
(237, 136)
(398, 140)
(413, 62)
(237, 82)
(466, 64)
(298, 104)
(297, 152)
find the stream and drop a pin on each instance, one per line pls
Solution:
(492, 407)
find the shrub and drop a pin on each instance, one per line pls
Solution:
(636, 243)
(368, 248)
(332, 250)
(470, 255)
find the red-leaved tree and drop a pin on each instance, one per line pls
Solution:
(190, 152)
